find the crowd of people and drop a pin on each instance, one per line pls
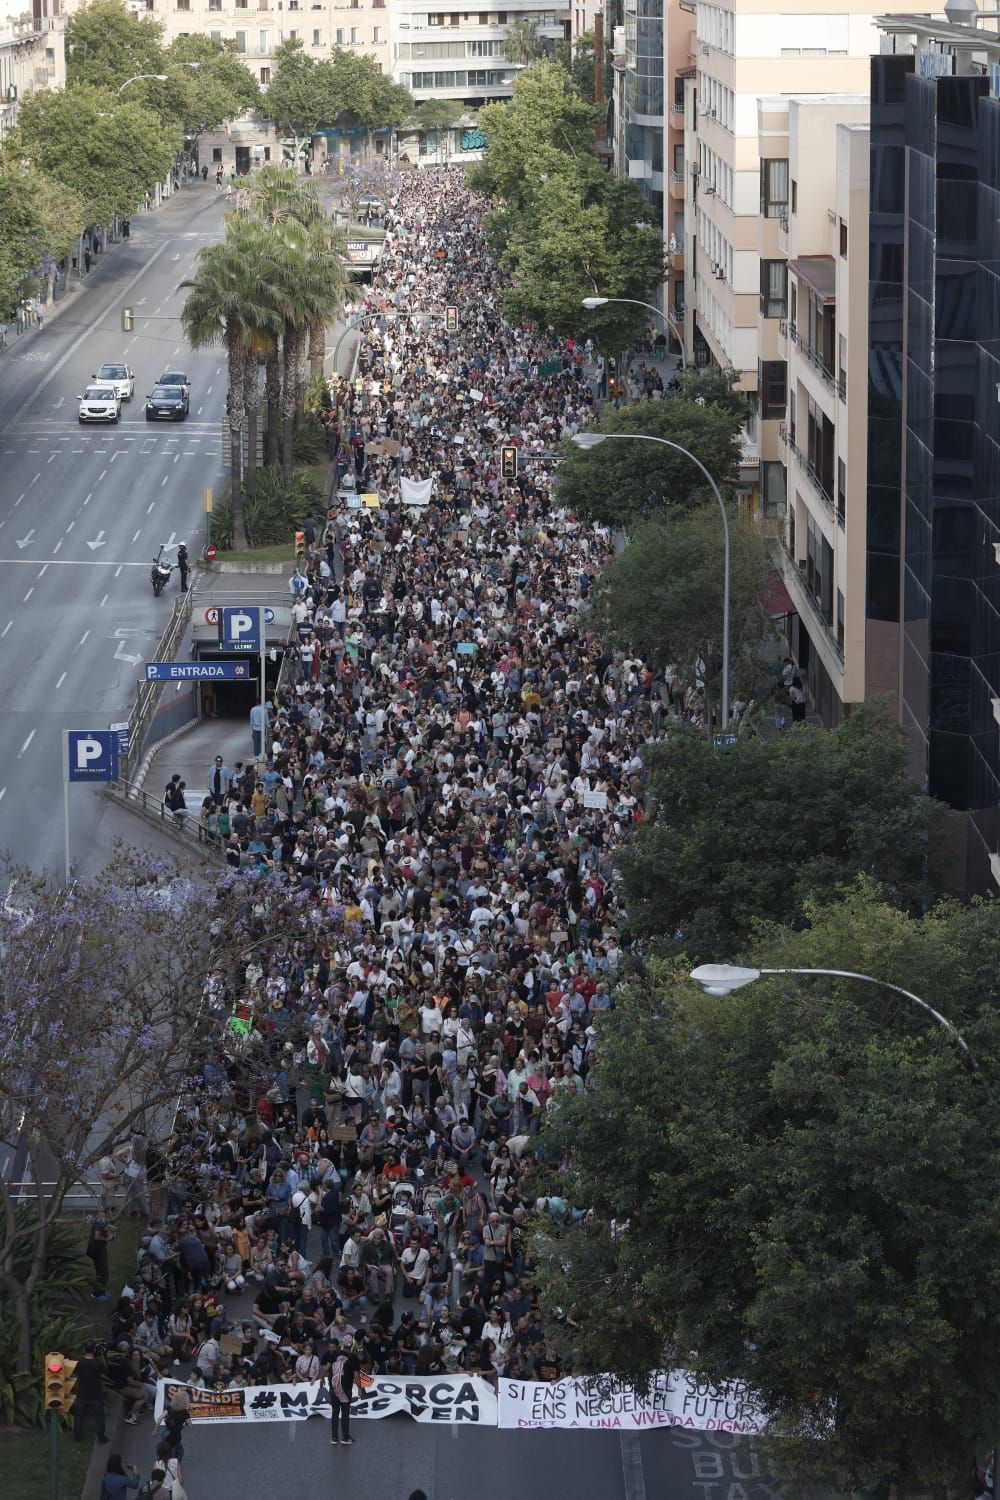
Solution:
(452, 759)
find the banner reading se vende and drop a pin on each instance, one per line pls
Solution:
(675, 1399)
(440, 1398)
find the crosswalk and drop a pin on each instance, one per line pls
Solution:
(201, 439)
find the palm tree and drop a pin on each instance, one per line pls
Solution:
(522, 43)
(228, 304)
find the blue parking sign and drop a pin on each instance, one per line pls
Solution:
(240, 628)
(91, 755)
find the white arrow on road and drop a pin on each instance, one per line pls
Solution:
(26, 541)
(99, 542)
(176, 257)
(170, 540)
(56, 404)
(121, 655)
(141, 302)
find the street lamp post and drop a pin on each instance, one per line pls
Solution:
(588, 440)
(160, 78)
(592, 302)
(723, 979)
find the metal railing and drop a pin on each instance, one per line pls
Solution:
(186, 827)
(798, 564)
(148, 694)
(810, 468)
(818, 363)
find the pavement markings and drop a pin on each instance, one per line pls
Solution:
(58, 545)
(86, 632)
(36, 478)
(69, 528)
(52, 457)
(3, 793)
(632, 1474)
(44, 570)
(164, 480)
(89, 498)
(199, 411)
(20, 498)
(149, 507)
(176, 457)
(5, 629)
(137, 536)
(113, 456)
(28, 594)
(101, 475)
(100, 606)
(27, 742)
(60, 682)
(118, 569)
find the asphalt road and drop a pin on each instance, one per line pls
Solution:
(394, 1456)
(82, 512)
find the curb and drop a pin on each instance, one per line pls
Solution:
(157, 746)
(114, 1419)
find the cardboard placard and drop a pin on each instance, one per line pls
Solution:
(345, 1133)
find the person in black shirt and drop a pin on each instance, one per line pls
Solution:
(90, 1372)
(341, 1367)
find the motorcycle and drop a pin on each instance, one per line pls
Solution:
(159, 573)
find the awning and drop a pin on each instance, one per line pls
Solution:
(777, 600)
(819, 272)
(691, 71)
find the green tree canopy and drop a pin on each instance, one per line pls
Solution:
(358, 87)
(437, 114)
(109, 150)
(523, 43)
(220, 88)
(298, 96)
(621, 483)
(107, 44)
(800, 1179)
(662, 596)
(544, 113)
(754, 831)
(42, 219)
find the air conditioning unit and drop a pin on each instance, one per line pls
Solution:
(703, 111)
(696, 172)
(710, 188)
(720, 273)
(704, 49)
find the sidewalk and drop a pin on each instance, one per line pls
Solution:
(193, 754)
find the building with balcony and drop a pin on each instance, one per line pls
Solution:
(811, 385)
(933, 522)
(460, 54)
(743, 52)
(32, 54)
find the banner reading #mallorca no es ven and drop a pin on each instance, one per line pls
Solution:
(440, 1398)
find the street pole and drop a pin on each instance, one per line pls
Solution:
(263, 686)
(66, 801)
(594, 302)
(586, 440)
(54, 1450)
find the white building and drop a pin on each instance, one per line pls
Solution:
(32, 54)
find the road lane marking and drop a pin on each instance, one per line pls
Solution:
(164, 480)
(5, 629)
(101, 475)
(60, 682)
(43, 570)
(3, 793)
(69, 528)
(36, 478)
(137, 536)
(88, 333)
(52, 457)
(101, 605)
(58, 545)
(28, 594)
(86, 632)
(27, 742)
(118, 569)
(149, 507)
(207, 393)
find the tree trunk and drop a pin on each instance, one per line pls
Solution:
(251, 407)
(234, 410)
(317, 348)
(289, 398)
(272, 387)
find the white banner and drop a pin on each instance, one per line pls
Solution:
(415, 491)
(438, 1398)
(675, 1399)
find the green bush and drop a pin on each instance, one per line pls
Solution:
(56, 1321)
(310, 440)
(317, 395)
(274, 515)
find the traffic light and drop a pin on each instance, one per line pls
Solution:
(128, 319)
(60, 1383)
(300, 544)
(508, 461)
(451, 319)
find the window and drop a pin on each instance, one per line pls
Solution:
(241, 42)
(217, 153)
(795, 196)
(265, 78)
(677, 166)
(773, 288)
(773, 482)
(355, 35)
(316, 37)
(774, 188)
(215, 4)
(772, 384)
(265, 43)
(841, 490)
(376, 36)
(843, 240)
(840, 620)
(340, 37)
(183, 4)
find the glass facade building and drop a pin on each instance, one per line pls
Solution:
(644, 99)
(933, 579)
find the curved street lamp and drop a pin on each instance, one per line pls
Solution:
(723, 979)
(160, 78)
(592, 302)
(588, 440)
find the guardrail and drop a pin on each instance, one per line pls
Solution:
(186, 827)
(148, 693)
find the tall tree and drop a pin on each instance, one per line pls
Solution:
(110, 150)
(625, 483)
(298, 96)
(793, 1186)
(107, 43)
(231, 302)
(544, 115)
(101, 996)
(42, 219)
(663, 597)
(220, 88)
(753, 832)
(523, 43)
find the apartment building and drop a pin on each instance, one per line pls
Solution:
(460, 54)
(744, 50)
(32, 54)
(811, 378)
(933, 519)
(258, 27)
